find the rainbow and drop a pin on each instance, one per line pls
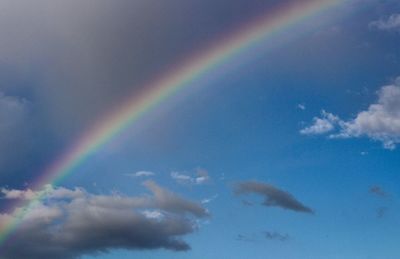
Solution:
(164, 87)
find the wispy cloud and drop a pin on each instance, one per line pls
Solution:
(141, 174)
(381, 212)
(301, 106)
(269, 235)
(208, 200)
(273, 235)
(391, 23)
(377, 191)
(200, 177)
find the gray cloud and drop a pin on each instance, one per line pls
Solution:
(256, 237)
(380, 122)
(274, 197)
(276, 236)
(391, 23)
(381, 212)
(246, 238)
(377, 191)
(69, 223)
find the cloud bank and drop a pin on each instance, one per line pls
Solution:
(380, 122)
(274, 197)
(69, 223)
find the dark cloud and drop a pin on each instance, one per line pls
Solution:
(70, 223)
(256, 237)
(381, 212)
(274, 197)
(247, 203)
(245, 238)
(377, 191)
(276, 236)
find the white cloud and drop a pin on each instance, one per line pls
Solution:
(380, 122)
(181, 178)
(153, 214)
(201, 177)
(301, 106)
(390, 23)
(18, 194)
(208, 200)
(322, 125)
(141, 174)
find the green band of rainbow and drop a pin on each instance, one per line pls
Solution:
(164, 87)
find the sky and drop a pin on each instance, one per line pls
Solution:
(288, 149)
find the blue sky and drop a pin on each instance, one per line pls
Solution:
(307, 120)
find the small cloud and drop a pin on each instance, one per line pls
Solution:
(141, 174)
(153, 214)
(363, 153)
(208, 200)
(276, 236)
(273, 197)
(301, 106)
(201, 177)
(321, 125)
(182, 178)
(391, 23)
(245, 238)
(377, 191)
(381, 212)
(247, 203)
(270, 235)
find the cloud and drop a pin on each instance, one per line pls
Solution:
(69, 223)
(168, 201)
(322, 125)
(391, 23)
(377, 191)
(301, 106)
(381, 212)
(141, 174)
(276, 236)
(247, 203)
(201, 177)
(208, 200)
(380, 122)
(245, 238)
(270, 235)
(181, 178)
(274, 197)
